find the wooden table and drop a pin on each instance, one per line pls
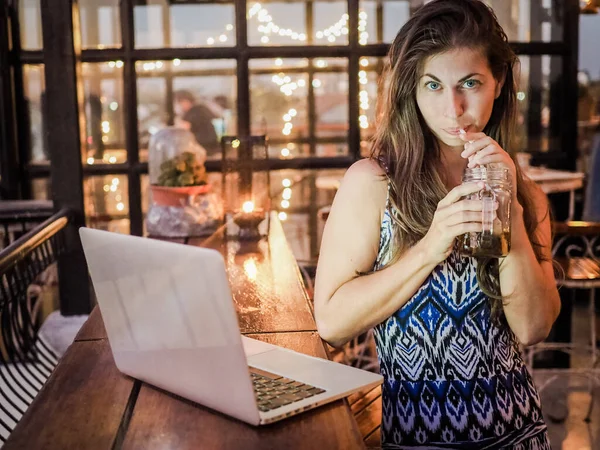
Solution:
(88, 404)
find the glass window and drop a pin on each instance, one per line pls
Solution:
(368, 81)
(538, 98)
(530, 20)
(522, 20)
(299, 196)
(106, 202)
(589, 83)
(285, 23)
(30, 23)
(40, 189)
(34, 90)
(100, 23)
(105, 121)
(330, 84)
(377, 25)
(200, 95)
(161, 24)
(280, 99)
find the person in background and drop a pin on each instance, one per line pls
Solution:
(447, 328)
(197, 118)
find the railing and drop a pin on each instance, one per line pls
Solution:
(26, 361)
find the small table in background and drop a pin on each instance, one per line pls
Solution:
(552, 181)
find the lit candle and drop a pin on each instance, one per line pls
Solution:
(248, 219)
(248, 206)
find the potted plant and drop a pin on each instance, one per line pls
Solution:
(180, 178)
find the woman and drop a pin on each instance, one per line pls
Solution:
(447, 328)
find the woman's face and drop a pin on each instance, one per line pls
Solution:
(456, 90)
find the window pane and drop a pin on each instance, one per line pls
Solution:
(522, 20)
(530, 20)
(371, 70)
(539, 104)
(100, 23)
(158, 24)
(280, 105)
(332, 149)
(34, 88)
(278, 99)
(106, 202)
(30, 23)
(145, 187)
(105, 121)
(588, 115)
(40, 189)
(330, 85)
(200, 95)
(279, 23)
(309, 191)
(390, 17)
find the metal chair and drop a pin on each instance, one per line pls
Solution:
(26, 361)
(576, 250)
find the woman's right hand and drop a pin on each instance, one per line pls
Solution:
(453, 217)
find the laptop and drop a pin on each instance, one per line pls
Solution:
(171, 322)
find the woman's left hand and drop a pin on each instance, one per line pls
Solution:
(481, 149)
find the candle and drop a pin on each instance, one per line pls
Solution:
(248, 219)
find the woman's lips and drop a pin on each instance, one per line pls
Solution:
(456, 131)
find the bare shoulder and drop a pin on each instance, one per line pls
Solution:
(367, 175)
(366, 167)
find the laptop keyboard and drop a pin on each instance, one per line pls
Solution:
(274, 391)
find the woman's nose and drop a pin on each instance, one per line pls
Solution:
(454, 107)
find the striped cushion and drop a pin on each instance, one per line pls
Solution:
(20, 384)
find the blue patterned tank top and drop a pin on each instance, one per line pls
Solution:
(453, 378)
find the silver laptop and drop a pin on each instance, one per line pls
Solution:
(171, 322)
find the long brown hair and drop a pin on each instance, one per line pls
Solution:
(405, 146)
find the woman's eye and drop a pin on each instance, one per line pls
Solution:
(471, 84)
(432, 85)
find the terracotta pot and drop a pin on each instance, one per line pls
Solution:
(176, 196)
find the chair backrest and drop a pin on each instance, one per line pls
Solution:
(19, 216)
(26, 361)
(577, 250)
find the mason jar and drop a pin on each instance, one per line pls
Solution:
(494, 240)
